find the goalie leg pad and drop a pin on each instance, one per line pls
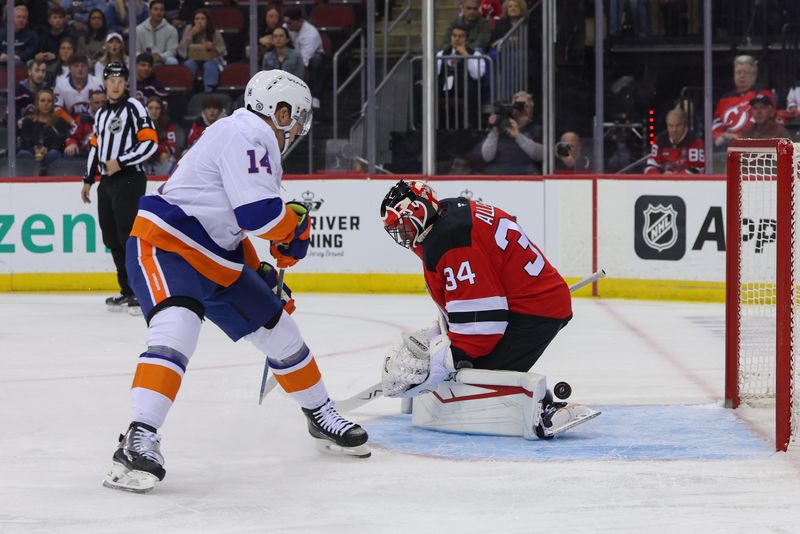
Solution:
(498, 403)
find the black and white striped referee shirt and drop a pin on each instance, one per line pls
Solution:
(122, 131)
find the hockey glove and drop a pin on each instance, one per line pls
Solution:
(417, 366)
(294, 250)
(270, 276)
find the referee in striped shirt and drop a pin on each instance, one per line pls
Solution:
(123, 139)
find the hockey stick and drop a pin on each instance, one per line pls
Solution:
(594, 277)
(376, 390)
(269, 385)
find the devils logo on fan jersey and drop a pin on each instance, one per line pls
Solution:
(737, 118)
(733, 112)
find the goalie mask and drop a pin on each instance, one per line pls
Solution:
(408, 211)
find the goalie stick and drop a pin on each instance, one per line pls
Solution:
(268, 385)
(376, 390)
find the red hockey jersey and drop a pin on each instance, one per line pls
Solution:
(686, 157)
(480, 267)
(733, 112)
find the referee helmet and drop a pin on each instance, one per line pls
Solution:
(115, 68)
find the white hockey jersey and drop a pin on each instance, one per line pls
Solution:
(227, 184)
(71, 99)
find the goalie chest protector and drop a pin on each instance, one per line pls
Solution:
(477, 251)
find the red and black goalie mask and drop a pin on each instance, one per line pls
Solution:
(408, 210)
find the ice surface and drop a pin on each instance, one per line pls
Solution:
(233, 466)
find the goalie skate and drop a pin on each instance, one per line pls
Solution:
(137, 464)
(559, 417)
(336, 435)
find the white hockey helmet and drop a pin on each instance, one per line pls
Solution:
(268, 88)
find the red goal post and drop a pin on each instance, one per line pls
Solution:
(762, 276)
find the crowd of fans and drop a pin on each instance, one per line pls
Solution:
(65, 55)
(66, 45)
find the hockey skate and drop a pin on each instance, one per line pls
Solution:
(335, 434)
(121, 303)
(559, 417)
(137, 463)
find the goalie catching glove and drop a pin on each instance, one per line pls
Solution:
(417, 364)
(295, 249)
(270, 276)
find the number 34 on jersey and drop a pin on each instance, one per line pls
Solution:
(464, 273)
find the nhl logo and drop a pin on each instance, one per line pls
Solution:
(115, 125)
(660, 226)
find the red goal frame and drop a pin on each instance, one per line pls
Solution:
(784, 153)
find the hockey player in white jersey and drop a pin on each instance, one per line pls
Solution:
(189, 258)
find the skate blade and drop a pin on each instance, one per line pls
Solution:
(116, 309)
(135, 311)
(573, 424)
(328, 447)
(122, 478)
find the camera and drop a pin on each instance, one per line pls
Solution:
(504, 111)
(563, 150)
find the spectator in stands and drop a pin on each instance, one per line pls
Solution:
(212, 111)
(114, 50)
(147, 85)
(678, 150)
(26, 42)
(490, 10)
(43, 132)
(91, 43)
(733, 117)
(27, 88)
(513, 12)
(186, 13)
(510, 148)
(163, 162)
(73, 90)
(569, 155)
(117, 15)
(202, 45)
(283, 56)
(479, 32)
(455, 85)
(78, 11)
(635, 12)
(308, 42)
(78, 141)
(60, 67)
(52, 35)
(793, 102)
(37, 12)
(157, 36)
(272, 20)
(764, 124)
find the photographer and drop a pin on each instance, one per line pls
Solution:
(569, 151)
(515, 151)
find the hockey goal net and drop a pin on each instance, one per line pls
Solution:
(763, 272)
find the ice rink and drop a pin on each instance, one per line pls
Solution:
(663, 457)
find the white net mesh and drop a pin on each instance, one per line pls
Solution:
(757, 267)
(758, 173)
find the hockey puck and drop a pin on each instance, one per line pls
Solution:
(562, 390)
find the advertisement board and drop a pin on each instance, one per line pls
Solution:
(639, 229)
